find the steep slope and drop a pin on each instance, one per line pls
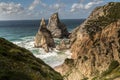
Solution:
(17, 63)
(95, 46)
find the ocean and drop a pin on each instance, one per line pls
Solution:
(22, 33)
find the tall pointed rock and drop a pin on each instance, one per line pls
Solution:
(57, 28)
(44, 38)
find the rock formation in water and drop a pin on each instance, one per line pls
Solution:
(17, 63)
(57, 28)
(44, 38)
(95, 47)
(63, 45)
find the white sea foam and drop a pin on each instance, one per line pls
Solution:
(67, 52)
(52, 58)
(43, 54)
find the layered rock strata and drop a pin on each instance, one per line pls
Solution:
(95, 47)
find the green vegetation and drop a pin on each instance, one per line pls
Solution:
(69, 62)
(85, 78)
(17, 63)
(112, 66)
(85, 58)
(111, 14)
(111, 73)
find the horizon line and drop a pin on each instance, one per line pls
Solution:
(34, 19)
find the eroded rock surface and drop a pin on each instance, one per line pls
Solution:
(44, 38)
(95, 46)
(63, 45)
(56, 27)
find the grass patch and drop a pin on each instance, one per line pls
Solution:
(114, 64)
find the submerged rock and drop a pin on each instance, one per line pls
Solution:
(17, 63)
(95, 47)
(56, 27)
(44, 38)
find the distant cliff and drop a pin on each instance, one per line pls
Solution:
(95, 46)
(17, 63)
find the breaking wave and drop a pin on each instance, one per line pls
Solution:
(52, 58)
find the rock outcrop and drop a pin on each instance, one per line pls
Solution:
(63, 45)
(57, 28)
(44, 38)
(95, 47)
(17, 63)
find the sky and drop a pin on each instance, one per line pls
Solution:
(36, 9)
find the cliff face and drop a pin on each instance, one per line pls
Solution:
(57, 28)
(44, 37)
(17, 63)
(95, 46)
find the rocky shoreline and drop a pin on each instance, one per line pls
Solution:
(54, 29)
(95, 47)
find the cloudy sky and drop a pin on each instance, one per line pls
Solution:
(36, 9)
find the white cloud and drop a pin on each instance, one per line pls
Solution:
(57, 7)
(34, 13)
(78, 6)
(17, 11)
(90, 4)
(10, 8)
(34, 4)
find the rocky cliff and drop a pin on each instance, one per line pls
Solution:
(17, 63)
(44, 37)
(95, 47)
(57, 28)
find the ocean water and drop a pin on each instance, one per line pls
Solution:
(22, 33)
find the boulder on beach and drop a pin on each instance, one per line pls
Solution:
(44, 38)
(56, 27)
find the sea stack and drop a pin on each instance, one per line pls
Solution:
(56, 27)
(44, 38)
(95, 47)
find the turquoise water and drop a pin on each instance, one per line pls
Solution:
(22, 33)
